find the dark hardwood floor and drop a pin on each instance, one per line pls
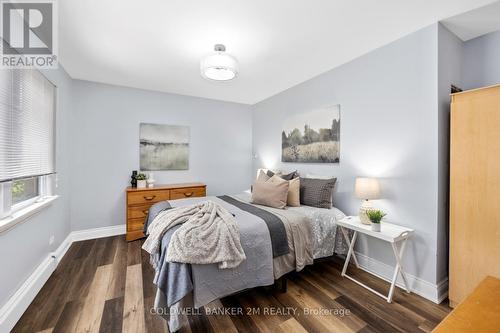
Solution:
(105, 285)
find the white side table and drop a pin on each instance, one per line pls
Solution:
(394, 234)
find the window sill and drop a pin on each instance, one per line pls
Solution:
(25, 213)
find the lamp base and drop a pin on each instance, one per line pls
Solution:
(365, 206)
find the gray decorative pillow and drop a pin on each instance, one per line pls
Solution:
(288, 176)
(317, 192)
(269, 173)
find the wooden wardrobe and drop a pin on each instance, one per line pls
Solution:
(474, 190)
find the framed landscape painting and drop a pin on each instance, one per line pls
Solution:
(312, 137)
(164, 147)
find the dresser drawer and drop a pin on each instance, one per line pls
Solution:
(135, 224)
(135, 212)
(150, 196)
(187, 192)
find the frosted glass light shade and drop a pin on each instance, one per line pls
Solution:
(367, 188)
(219, 66)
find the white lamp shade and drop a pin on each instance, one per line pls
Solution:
(367, 188)
(219, 66)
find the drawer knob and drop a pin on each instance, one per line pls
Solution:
(149, 198)
(145, 212)
(188, 194)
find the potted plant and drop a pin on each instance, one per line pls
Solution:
(141, 180)
(375, 216)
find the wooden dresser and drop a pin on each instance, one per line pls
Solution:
(140, 199)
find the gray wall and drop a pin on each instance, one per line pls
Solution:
(481, 66)
(450, 63)
(106, 146)
(26, 245)
(389, 130)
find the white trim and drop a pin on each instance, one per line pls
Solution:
(80, 235)
(433, 292)
(26, 212)
(24, 204)
(442, 290)
(59, 253)
(14, 308)
(19, 302)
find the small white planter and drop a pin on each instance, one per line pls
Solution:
(375, 226)
(141, 184)
(150, 181)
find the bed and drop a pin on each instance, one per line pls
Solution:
(308, 233)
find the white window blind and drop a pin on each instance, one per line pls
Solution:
(27, 124)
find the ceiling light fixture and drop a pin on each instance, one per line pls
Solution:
(219, 66)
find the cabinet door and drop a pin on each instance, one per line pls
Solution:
(474, 190)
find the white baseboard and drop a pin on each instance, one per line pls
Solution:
(442, 290)
(59, 253)
(14, 308)
(80, 235)
(433, 292)
(19, 302)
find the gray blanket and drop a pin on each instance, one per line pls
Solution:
(172, 279)
(277, 231)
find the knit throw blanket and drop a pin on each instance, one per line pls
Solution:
(209, 234)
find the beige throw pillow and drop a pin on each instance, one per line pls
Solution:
(293, 197)
(272, 194)
(276, 179)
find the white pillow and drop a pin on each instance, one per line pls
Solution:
(310, 175)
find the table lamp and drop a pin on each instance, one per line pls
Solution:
(366, 189)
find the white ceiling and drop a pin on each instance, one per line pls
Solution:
(157, 44)
(476, 22)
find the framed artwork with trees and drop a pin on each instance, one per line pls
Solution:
(312, 137)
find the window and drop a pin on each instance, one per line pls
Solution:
(23, 190)
(27, 139)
